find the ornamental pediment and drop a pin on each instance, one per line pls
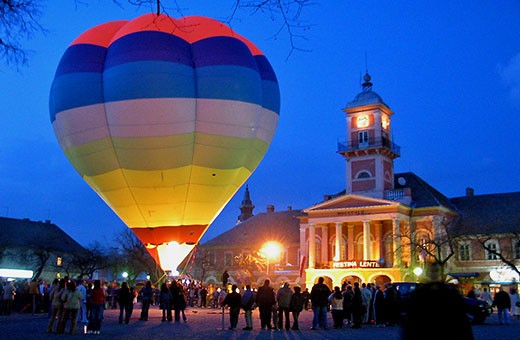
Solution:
(349, 202)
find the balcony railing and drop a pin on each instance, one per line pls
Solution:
(381, 142)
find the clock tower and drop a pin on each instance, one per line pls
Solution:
(369, 150)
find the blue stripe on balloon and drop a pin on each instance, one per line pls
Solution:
(149, 45)
(265, 68)
(229, 82)
(271, 96)
(222, 51)
(82, 58)
(75, 90)
(149, 79)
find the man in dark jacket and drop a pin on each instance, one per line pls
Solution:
(502, 301)
(319, 300)
(265, 299)
(233, 300)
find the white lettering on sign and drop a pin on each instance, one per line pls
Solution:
(357, 264)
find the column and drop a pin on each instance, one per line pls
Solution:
(350, 242)
(325, 244)
(338, 242)
(366, 240)
(312, 245)
(378, 253)
(396, 243)
(304, 245)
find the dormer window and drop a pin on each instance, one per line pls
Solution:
(363, 174)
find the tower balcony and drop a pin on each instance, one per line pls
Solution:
(370, 146)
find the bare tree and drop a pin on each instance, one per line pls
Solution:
(201, 264)
(131, 256)
(434, 243)
(506, 252)
(19, 21)
(86, 263)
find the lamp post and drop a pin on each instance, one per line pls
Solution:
(270, 250)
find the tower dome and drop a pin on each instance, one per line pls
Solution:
(367, 96)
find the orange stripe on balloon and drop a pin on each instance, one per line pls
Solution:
(100, 35)
(181, 234)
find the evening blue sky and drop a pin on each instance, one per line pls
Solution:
(450, 71)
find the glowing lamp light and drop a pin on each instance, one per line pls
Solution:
(16, 273)
(504, 275)
(171, 255)
(125, 275)
(271, 250)
(418, 271)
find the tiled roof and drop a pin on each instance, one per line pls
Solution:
(27, 233)
(489, 214)
(423, 194)
(283, 226)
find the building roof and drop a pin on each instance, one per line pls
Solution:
(367, 96)
(423, 194)
(282, 226)
(489, 214)
(26, 233)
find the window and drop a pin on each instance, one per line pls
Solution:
(363, 174)
(516, 247)
(228, 259)
(211, 258)
(59, 261)
(363, 138)
(464, 252)
(491, 250)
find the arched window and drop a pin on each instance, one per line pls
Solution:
(363, 174)
(343, 248)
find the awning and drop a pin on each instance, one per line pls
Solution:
(459, 275)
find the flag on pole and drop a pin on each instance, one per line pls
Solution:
(302, 265)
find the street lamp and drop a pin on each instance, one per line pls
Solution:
(418, 272)
(270, 251)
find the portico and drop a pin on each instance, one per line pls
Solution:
(358, 237)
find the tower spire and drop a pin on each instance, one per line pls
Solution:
(367, 85)
(247, 207)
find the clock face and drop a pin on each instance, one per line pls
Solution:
(362, 121)
(385, 122)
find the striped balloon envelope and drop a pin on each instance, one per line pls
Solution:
(165, 119)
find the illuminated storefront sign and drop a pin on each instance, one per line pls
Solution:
(357, 264)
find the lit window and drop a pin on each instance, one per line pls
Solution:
(491, 250)
(58, 261)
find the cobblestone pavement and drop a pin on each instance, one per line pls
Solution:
(207, 324)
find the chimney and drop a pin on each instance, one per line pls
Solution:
(270, 208)
(289, 208)
(470, 191)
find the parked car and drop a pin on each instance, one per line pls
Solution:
(477, 310)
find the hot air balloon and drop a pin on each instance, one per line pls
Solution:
(165, 119)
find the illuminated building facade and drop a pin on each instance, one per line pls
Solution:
(384, 225)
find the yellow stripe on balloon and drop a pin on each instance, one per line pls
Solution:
(195, 203)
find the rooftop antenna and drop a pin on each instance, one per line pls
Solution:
(367, 85)
(366, 62)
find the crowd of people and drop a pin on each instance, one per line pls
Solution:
(72, 302)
